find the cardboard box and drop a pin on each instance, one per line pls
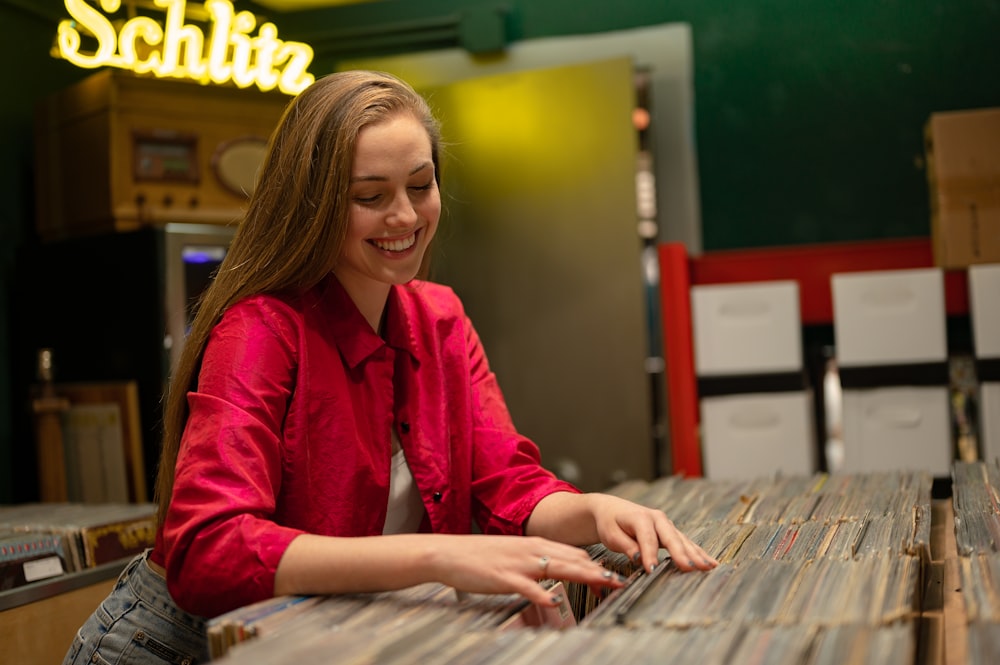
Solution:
(758, 435)
(984, 308)
(750, 328)
(963, 170)
(889, 317)
(897, 429)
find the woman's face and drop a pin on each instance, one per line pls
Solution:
(394, 204)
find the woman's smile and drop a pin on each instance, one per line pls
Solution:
(395, 245)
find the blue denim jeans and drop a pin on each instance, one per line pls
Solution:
(139, 623)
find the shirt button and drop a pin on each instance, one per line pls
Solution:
(437, 497)
(404, 427)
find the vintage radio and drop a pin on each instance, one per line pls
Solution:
(118, 152)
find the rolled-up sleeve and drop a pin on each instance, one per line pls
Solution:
(221, 525)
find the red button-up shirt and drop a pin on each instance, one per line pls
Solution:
(289, 433)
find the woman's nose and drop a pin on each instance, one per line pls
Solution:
(402, 212)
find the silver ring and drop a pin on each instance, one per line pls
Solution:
(543, 563)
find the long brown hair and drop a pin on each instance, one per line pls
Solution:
(294, 227)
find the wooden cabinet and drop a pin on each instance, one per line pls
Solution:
(38, 622)
(116, 151)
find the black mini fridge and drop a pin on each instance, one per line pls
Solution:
(111, 307)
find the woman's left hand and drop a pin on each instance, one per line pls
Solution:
(620, 525)
(640, 532)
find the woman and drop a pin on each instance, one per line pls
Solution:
(333, 425)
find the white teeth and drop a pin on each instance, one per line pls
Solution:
(397, 245)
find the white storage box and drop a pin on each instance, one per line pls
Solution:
(989, 420)
(758, 435)
(889, 317)
(984, 308)
(750, 328)
(897, 429)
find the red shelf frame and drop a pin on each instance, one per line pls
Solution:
(810, 265)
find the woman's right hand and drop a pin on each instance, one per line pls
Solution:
(472, 563)
(515, 564)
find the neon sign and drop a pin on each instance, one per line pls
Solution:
(179, 50)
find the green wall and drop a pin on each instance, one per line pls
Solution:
(809, 115)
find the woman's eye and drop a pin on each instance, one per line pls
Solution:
(422, 188)
(366, 200)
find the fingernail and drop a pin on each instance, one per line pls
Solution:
(622, 578)
(607, 574)
(558, 598)
(691, 563)
(637, 556)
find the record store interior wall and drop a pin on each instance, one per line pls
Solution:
(808, 116)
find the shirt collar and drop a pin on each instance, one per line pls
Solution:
(351, 332)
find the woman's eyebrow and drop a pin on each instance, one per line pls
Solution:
(381, 178)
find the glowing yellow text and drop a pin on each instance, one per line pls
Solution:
(179, 50)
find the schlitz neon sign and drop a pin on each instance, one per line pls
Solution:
(177, 49)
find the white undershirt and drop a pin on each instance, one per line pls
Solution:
(405, 510)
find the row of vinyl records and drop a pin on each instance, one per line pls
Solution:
(40, 541)
(814, 569)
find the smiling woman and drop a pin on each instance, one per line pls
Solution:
(333, 425)
(394, 209)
